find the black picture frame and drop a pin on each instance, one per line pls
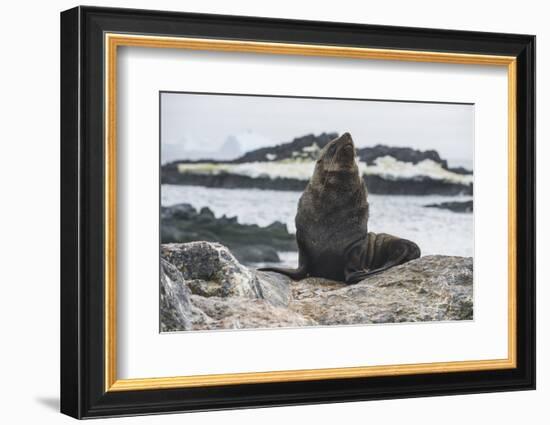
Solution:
(83, 392)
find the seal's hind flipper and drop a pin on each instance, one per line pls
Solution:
(384, 252)
(294, 274)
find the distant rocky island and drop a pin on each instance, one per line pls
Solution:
(288, 166)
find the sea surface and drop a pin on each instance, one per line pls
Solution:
(435, 231)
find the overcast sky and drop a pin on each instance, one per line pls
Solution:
(203, 122)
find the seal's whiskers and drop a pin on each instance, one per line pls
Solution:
(328, 171)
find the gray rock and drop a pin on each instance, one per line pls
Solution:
(210, 270)
(241, 313)
(431, 288)
(175, 305)
(223, 294)
(275, 288)
(214, 264)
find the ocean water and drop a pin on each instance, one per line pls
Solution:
(435, 231)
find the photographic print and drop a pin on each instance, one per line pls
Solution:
(251, 183)
(301, 211)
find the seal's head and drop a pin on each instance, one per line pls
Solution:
(337, 160)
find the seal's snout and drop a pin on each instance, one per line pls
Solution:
(346, 148)
(346, 137)
(345, 142)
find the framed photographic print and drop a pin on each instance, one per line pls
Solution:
(261, 212)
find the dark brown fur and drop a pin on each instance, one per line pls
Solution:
(331, 223)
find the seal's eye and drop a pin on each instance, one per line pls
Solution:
(332, 149)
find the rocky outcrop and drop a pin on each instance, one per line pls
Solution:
(308, 146)
(414, 156)
(456, 206)
(250, 243)
(219, 293)
(211, 270)
(305, 147)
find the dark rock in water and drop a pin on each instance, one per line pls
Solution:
(226, 295)
(376, 184)
(455, 206)
(206, 214)
(417, 186)
(230, 181)
(180, 212)
(175, 304)
(370, 154)
(249, 243)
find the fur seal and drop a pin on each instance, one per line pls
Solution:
(331, 223)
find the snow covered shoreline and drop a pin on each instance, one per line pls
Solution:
(386, 167)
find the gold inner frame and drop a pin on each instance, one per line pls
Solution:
(113, 41)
